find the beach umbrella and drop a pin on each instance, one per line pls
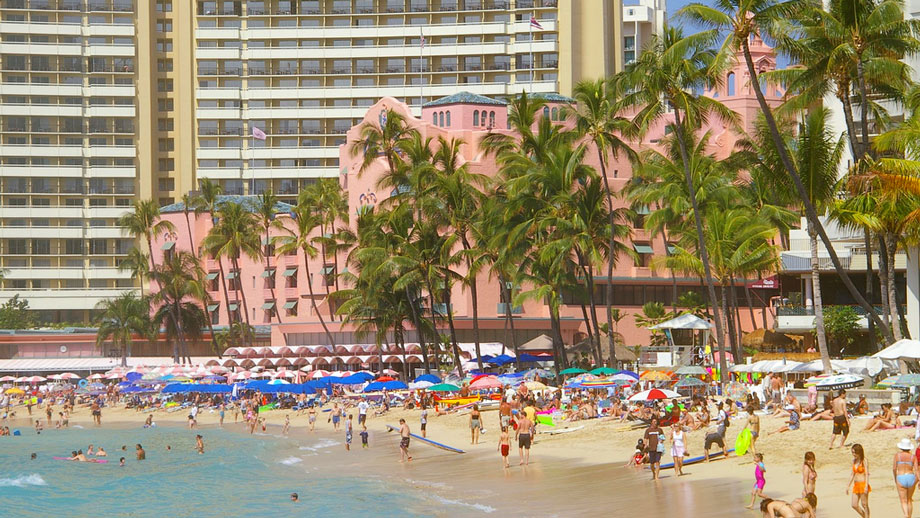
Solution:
(736, 391)
(609, 382)
(486, 382)
(623, 377)
(431, 378)
(603, 371)
(386, 378)
(55, 377)
(901, 380)
(7, 378)
(649, 395)
(837, 381)
(444, 387)
(572, 370)
(114, 376)
(691, 370)
(317, 374)
(15, 391)
(655, 376)
(389, 372)
(96, 377)
(418, 385)
(279, 381)
(690, 382)
(33, 379)
(631, 374)
(534, 385)
(218, 369)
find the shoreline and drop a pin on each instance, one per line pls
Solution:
(577, 472)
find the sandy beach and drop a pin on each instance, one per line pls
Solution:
(574, 473)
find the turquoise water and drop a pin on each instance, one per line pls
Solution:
(238, 475)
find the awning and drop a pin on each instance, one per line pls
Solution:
(233, 306)
(643, 210)
(671, 249)
(643, 249)
(211, 276)
(266, 240)
(327, 270)
(169, 245)
(269, 305)
(291, 304)
(268, 273)
(290, 272)
(232, 275)
(213, 307)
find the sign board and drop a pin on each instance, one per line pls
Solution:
(770, 283)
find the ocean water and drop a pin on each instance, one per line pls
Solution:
(239, 475)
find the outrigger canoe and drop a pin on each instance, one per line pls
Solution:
(458, 400)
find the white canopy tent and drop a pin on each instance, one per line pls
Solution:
(685, 321)
(901, 350)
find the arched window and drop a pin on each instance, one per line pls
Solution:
(555, 114)
(448, 119)
(441, 117)
(491, 119)
(546, 111)
(475, 117)
(434, 118)
(730, 84)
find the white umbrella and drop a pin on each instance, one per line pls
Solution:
(69, 376)
(901, 350)
(649, 395)
(96, 376)
(279, 381)
(33, 379)
(837, 381)
(740, 367)
(114, 376)
(420, 385)
(7, 378)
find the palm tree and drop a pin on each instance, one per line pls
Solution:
(187, 208)
(235, 234)
(664, 76)
(208, 201)
(138, 264)
(175, 307)
(596, 119)
(144, 222)
(300, 237)
(746, 18)
(266, 208)
(381, 139)
(120, 319)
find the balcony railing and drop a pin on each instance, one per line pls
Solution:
(806, 311)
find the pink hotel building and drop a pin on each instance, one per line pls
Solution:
(469, 118)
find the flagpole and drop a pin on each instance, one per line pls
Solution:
(530, 29)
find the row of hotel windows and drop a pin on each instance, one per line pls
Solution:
(269, 307)
(442, 119)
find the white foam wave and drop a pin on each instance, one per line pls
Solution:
(23, 481)
(320, 444)
(290, 461)
(425, 483)
(76, 426)
(479, 507)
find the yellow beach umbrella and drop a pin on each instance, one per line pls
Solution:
(15, 391)
(655, 376)
(534, 385)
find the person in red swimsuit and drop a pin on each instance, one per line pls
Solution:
(504, 446)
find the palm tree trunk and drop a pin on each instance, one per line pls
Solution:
(223, 283)
(819, 310)
(323, 252)
(402, 346)
(892, 287)
(750, 303)
(733, 298)
(864, 104)
(453, 340)
(589, 275)
(319, 315)
(474, 295)
(664, 241)
(559, 357)
(188, 226)
(594, 344)
(870, 273)
(883, 277)
(856, 146)
(418, 330)
(729, 324)
(611, 245)
(241, 293)
(810, 212)
(509, 307)
(272, 285)
(701, 244)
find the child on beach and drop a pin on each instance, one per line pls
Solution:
(287, 424)
(348, 432)
(809, 474)
(364, 435)
(504, 446)
(792, 424)
(424, 419)
(639, 456)
(759, 480)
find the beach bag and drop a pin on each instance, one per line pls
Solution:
(661, 439)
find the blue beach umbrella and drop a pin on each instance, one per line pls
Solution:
(428, 377)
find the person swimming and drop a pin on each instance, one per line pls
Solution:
(101, 452)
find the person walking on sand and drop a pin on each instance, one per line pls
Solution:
(809, 474)
(287, 424)
(841, 419)
(348, 432)
(311, 416)
(404, 434)
(363, 435)
(753, 424)
(504, 446)
(678, 448)
(759, 480)
(220, 414)
(905, 472)
(859, 482)
(336, 416)
(718, 436)
(475, 417)
(524, 436)
(652, 438)
(362, 410)
(424, 422)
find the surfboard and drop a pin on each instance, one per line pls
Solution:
(564, 430)
(458, 400)
(743, 442)
(444, 447)
(694, 460)
(91, 461)
(265, 408)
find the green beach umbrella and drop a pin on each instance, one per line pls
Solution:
(572, 370)
(604, 371)
(691, 370)
(443, 387)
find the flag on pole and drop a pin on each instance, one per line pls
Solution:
(535, 24)
(257, 133)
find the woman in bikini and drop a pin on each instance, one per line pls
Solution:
(809, 474)
(886, 421)
(678, 448)
(805, 506)
(859, 482)
(905, 472)
(780, 509)
(474, 425)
